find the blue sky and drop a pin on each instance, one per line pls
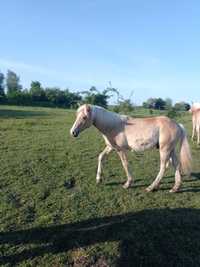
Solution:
(151, 47)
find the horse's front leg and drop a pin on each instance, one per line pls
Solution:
(106, 151)
(124, 160)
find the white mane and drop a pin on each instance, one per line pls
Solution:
(106, 119)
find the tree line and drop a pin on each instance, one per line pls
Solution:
(161, 104)
(12, 92)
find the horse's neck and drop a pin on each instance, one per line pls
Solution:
(105, 121)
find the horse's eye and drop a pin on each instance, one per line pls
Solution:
(84, 117)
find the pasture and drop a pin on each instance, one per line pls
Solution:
(52, 213)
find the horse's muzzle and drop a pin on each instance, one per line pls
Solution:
(74, 133)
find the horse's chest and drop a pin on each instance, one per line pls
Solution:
(117, 141)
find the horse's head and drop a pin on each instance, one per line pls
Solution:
(194, 107)
(83, 120)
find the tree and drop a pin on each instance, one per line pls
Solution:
(55, 96)
(72, 100)
(124, 105)
(37, 92)
(182, 106)
(2, 92)
(94, 97)
(60, 98)
(12, 83)
(155, 103)
(160, 104)
(168, 103)
(150, 103)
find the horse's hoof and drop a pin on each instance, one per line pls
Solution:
(173, 190)
(148, 189)
(125, 186)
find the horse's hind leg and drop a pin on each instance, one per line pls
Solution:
(124, 160)
(176, 165)
(168, 162)
(198, 134)
(193, 129)
(164, 157)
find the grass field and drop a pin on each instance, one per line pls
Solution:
(46, 222)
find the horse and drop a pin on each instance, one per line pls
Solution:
(195, 110)
(122, 133)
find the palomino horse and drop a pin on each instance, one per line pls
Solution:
(195, 110)
(122, 133)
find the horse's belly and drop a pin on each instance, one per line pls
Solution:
(141, 143)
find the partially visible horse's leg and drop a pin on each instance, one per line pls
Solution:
(164, 157)
(124, 160)
(193, 129)
(168, 162)
(176, 165)
(198, 134)
(106, 151)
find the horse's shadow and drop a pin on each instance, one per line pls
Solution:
(157, 237)
(168, 180)
(196, 175)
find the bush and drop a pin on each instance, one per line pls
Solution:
(172, 113)
(182, 106)
(126, 106)
(155, 103)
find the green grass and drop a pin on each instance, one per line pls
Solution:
(43, 222)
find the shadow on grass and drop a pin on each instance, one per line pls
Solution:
(20, 114)
(190, 189)
(196, 175)
(134, 185)
(157, 237)
(168, 180)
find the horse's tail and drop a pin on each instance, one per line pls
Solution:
(185, 154)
